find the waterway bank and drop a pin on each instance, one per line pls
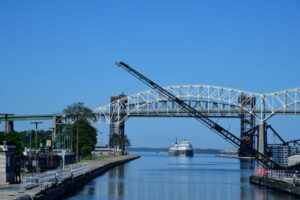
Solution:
(66, 183)
(234, 156)
(275, 184)
(159, 176)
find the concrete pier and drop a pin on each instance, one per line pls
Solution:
(284, 186)
(66, 184)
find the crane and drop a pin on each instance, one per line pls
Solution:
(202, 118)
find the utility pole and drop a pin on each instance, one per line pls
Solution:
(71, 141)
(29, 132)
(36, 128)
(77, 156)
(52, 137)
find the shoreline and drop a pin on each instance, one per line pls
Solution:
(68, 184)
(275, 185)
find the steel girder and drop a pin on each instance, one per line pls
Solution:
(210, 100)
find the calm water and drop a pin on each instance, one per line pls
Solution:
(156, 176)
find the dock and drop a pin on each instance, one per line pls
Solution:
(285, 181)
(55, 184)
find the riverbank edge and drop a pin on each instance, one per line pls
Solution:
(275, 184)
(71, 185)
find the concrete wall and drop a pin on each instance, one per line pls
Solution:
(7, 164)
(69, 186)
(2, 168)
(10, 166)
(275, 184)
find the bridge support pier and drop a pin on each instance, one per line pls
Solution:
(57, 120)
(118, 128)
(247, 124)
(262, 139)
(9, 126)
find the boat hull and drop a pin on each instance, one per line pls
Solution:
(185, 153)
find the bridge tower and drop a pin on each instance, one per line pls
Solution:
(118, 128)
(247, 125)
(8, 124)
(56, 120)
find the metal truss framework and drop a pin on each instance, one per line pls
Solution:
(210, 100)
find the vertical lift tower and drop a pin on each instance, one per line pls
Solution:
(118, 128)
(248, 128)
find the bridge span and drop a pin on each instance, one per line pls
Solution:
(210, 100)
(215, 102)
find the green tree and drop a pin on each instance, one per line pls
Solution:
(13, 138)
(85, 150)
(127, 141)
(114, 141)
(42, 137)
(87, 137)
(78, 111)
(81, 117)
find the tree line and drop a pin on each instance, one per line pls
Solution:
(78, 119)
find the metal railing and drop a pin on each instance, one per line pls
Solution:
(290, 177)
(281, 175)
(54, 177)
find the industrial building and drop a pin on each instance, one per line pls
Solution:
(281, 153)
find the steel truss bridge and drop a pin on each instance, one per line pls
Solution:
(197, 101)
(210, 100)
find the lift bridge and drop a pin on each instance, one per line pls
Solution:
(253, 109)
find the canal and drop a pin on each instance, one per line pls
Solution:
(157, 176)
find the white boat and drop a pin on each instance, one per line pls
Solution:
(182, 148)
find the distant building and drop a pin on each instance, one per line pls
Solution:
(231, 151)
(104, 151)
(280, 153)
(294, 160)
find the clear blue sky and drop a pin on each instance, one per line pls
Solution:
(54, 53)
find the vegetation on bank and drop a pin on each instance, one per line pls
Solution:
(78, 118)
(115, 141)
(13, 138)
(77, 122)
(99, 157)
(81, 119)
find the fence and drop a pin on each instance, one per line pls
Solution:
(47, 179)
(292, 177)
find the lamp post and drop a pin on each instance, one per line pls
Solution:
(36, 128)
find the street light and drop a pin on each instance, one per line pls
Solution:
(36, 128)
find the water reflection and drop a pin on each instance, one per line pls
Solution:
(246, 169)
(248, 191)
(116, 182)
(158, 176)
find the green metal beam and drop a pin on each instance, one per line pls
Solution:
(28, 117)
